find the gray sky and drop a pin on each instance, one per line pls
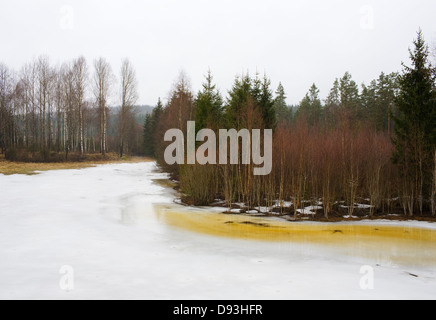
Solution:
(295, 42)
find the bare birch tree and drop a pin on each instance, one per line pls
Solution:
(129, 96)
(80, 69)
(28, 77)
(44, 82)
(102, 83)
(6, 116)
(68, 107)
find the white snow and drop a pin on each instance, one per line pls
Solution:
(286, 204)
(363, 206)
(235, 211)
(305, 212)
(313, 208)
(264, 209)
(240, 204)
(358, 206)
(101, 222)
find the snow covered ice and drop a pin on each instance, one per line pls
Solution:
(103, 223)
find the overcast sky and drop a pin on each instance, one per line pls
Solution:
(295, 42)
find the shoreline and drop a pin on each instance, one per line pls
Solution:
(387, 220)
(32, 168)
(335, 219)
(361, 210)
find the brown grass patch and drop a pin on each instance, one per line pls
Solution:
(90, 160)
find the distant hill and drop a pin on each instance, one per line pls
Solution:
(140, 112)
(143, 110)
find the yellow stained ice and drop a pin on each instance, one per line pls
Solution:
(387, 242)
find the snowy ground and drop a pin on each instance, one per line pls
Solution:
(101, 222)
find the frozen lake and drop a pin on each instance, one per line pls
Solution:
(115, 233)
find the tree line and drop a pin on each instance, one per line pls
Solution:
(50, 112)
(371, 144)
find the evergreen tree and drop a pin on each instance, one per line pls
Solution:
(238, 98)
(304, 108)
(310, 107)
(283, 113)
(378, 99)
(266, 105)
(316, 105)
(387, 87)
(208, 106)
(332, 104)
(151, 122)
(349, 95)
(155, 118)
(369, 103)
(415, 124)
(148, 136)
(256, 89)
(156, 114)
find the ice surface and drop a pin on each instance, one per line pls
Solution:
(101, 221)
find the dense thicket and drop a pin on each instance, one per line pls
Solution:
(47, 112)
(370, 144)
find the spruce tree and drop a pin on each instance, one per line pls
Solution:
(370, 105)
(266, 105)
(349, 92)
(415, 125)
(304, 109)
(387, 86)
(282, 111)
(310, 107)
(151, 122)
(332, 104)
(155, 118)
(256, 89)
(316, 105)
(238, 97)
(208, 106)
(157, 111)
(148, 136)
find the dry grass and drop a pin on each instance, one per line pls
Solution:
(30, 168)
